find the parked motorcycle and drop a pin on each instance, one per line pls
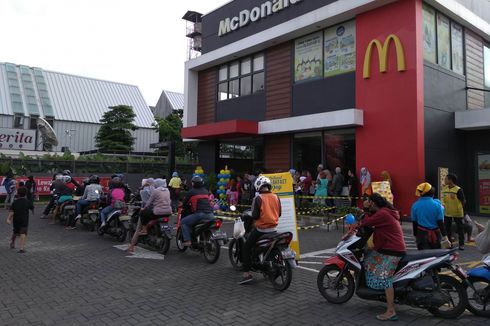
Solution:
(417, 281)
(478, 290)
(206, 237)
(271, 255)
(159, 231)
(117, 225)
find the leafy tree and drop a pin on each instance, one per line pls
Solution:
(115, 132)
(169, 130)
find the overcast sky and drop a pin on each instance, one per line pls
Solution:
(139, 42)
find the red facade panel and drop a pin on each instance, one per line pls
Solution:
(277, 153)
(278, 81)
(206, 97)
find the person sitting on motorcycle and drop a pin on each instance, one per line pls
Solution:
(389, 248)
(93, 191)
(119, 177)
(147, 186)
(197, 199)
(158, 204)
(55, 186)
(115, 198)
(65, 192)
(266, 210)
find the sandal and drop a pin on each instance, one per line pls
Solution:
(384, 318)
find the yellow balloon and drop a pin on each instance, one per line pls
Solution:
(222, 172)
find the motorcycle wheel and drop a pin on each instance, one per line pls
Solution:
(281, 273)
(234, 253)
(92, 223)
(479, 297)
(165, 245)
(454, 289)
(211, 248)
(335, 286)
(123, 232)
(179, 239)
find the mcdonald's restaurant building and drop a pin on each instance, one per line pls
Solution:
(400, 86)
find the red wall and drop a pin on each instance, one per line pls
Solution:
(392, 138)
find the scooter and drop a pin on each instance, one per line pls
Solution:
(417, 281)
(206, 238)
(479, 289)
(90, 215)
(159, 231)
(117, 225)
(271, 255)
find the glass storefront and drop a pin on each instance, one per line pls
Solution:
(332, 148)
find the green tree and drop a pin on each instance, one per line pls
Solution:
(115, 132)
(169, 130)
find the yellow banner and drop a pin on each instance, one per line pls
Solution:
(282, 185)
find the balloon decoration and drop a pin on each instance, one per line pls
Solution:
(199, 172)
(223, 180)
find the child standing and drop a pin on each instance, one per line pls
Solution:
(19, 214)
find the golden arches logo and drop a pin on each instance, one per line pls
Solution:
(383, 55)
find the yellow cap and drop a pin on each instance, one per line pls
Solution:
(422, 189)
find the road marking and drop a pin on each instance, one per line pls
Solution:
(141, 253)
(319, 252)
(310, 262)
(307, 269)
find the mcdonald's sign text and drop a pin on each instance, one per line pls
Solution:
(382, 50)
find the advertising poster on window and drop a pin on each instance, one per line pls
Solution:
(429, 21)
(442, 173)
(443, 43)
(457, 47)
(484, 182)
(308, 57)
(340, 49)
(384, 189)
(282, 185)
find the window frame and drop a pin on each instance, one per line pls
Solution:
(18, 121)
(486, 65)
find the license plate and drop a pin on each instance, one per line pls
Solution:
(93, 211)
(124, 218)
(460, 271)
(288, 254)
(219, 235)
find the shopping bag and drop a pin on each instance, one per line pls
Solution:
(482, 240)
(238, 229)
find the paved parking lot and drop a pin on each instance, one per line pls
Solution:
(78, 278)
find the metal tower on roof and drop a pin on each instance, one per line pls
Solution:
(194, 33)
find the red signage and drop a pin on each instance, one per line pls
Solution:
(43, 184)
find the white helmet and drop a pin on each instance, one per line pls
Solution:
(263, 181)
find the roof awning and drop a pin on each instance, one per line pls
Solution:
(224, 129)
(472, 119)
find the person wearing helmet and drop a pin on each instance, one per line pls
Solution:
(92, 193)
(115, 199)
(65, 193)
(174, 186)
(428, 219)
(266, 210)
(197, 200)
(55, 186)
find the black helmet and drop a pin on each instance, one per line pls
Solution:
(66, 172)
(94, 179)
(197, 181)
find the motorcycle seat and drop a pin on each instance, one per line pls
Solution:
(412, 255)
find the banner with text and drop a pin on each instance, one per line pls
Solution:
(484, 182)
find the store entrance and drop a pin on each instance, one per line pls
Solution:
(241, 155)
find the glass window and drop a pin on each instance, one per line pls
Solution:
(17, 107)
(340, 49)
(12, 75)
(222, 91)
(457, 48)
(340, 149)
(443, 42)
(258, 82)
(37, 72)
(234, 69)
(13, 81)
(486, 65)
(50, 120)
(223, 73)
(259, 62)
(31, 100)
(234, 88)
(246, 85)
(308, 57)
(29, 92)
(18, 121)
(33, 122)
(429, 29)
(14, 89)
(25, 70)
(246, 66)
(33, 108)
(48, 110)
(16, 97)
(10, 67)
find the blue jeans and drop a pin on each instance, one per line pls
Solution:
(188, 221)
(81, 204)
(105, 212)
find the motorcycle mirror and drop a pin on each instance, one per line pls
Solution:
(233, 208)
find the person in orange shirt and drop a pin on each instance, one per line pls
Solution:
(266, 210)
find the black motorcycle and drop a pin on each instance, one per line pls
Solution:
(206, 237)
(90, 215)
(159, 231)
(271, 255)
(117, 225)
(66, 212)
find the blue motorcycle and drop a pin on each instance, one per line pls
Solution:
(479, 289)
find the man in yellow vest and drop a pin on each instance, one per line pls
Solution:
(453, 200)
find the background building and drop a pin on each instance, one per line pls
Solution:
(168, 103)
(400, 86)
(73, 105)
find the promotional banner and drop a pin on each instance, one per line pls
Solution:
(282, 185)
(457, 48)
(384, 189)
(17, 139)
(442, 173)
(484, 182)
(429, 19)
(308, 57)
(340, 49)
(443, 42)
(43, 184)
